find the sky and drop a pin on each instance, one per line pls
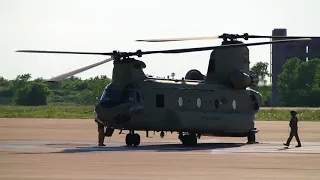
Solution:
(107, 25)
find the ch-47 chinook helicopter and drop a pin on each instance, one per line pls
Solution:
(220, 103)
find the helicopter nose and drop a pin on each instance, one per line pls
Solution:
(114, 113)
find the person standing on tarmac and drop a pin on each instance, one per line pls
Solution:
(100, 133)
(294, 129)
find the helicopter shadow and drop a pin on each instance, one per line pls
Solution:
(154, 148)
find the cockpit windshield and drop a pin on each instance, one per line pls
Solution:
(110, 94)
(129, 93)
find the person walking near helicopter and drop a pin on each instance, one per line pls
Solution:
(294, 129)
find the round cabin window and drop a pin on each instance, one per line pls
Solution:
(199, 102)
(234, 104)
(180, 101)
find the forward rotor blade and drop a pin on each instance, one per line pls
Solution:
(179, 39)
(64, 52)
(68, 74)
(221, 46)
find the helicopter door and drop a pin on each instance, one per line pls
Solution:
(139, 106)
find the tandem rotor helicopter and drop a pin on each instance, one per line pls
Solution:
(220, 103)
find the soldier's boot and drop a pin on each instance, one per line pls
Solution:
(289, 139)
(298, 140)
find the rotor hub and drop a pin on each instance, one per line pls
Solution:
(117, 55)
(233, 37)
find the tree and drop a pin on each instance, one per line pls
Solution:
(260, 69)
(287, 82)
(85, 97)
(308, 83)
(19, 82)
(33, 94)
(3, 81)
(299, 83)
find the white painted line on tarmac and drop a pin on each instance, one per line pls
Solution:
(276, 147)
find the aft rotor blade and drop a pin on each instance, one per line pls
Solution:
(179, 39)
(284, 37)
(68, 74)
(221, 46)
(65, 52)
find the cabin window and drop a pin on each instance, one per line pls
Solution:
(199, 102)
(180, 101)
(159, 100)
(234, 104)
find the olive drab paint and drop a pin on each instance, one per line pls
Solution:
(220, 103)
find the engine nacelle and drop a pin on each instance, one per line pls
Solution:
(241, 80)
(194, 74)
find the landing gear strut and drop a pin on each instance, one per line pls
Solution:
(162, 134)
(252, 136)
(188, 139)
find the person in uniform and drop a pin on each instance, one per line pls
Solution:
(294, 129)
(100, 133)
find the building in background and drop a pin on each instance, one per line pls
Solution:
(281, 52)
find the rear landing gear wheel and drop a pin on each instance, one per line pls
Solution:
(251, 138)
(133, 139)
(136, 139)
(129, 139)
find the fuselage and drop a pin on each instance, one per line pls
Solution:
(179, 105)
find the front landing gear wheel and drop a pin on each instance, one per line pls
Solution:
(133, 139)
(189, 140)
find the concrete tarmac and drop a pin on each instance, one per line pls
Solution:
(66, 149)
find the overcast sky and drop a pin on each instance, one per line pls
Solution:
(107, 25)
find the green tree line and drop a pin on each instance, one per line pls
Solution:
(23, 91)
(298, 84)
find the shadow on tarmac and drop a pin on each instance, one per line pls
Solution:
(155, 148)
